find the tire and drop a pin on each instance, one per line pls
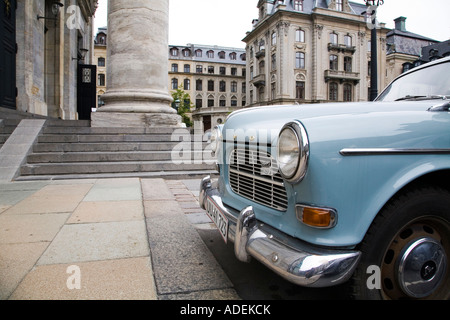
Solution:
(409, 242)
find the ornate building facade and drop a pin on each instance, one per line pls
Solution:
(213, 76)
(49, 39)
(311, 51)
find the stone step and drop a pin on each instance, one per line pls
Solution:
(113, 147)
(65, 157)
(110, 167)
(168, 175)
(65, 138)
(111, 131)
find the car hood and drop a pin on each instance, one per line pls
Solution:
(361, 124)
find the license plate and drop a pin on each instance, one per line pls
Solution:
(218, 218)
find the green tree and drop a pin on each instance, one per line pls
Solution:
(182, 100)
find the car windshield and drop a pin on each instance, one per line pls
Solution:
(431, 82)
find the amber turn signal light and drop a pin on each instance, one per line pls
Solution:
(323, 218)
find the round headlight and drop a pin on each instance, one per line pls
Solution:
(293, 152)
(215, 138)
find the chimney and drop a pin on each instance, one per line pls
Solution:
(400, 24)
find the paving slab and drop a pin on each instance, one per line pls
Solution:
(16, 260)
(26, 228)
(156, 189)
(115, 190)
(97, 241)
(52, 199)
(123, 279)
(107, 211)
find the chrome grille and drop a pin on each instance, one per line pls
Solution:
(254, 175)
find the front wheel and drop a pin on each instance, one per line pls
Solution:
(409, 244)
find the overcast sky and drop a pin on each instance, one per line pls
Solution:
(224, 23)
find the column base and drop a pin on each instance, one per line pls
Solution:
(140, 120)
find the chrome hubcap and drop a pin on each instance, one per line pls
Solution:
(422, 267)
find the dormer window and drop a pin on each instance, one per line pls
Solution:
(339, 5)
(210, 54)
(186, 53)
(298, 5)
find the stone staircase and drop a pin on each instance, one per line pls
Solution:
(74, 150)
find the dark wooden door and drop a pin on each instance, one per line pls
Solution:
(87, 90)
(8, 54)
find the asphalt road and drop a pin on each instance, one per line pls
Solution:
(254, 281)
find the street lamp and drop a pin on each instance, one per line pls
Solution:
(371, 12)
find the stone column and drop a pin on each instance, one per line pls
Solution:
(137, 76)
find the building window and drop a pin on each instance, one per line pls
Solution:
(234, 71)
(244, 87)
(222, 55)
(273, 88)
(262, 66)
(233, 86)
(300, 35)
(199, 103)
(101, 62)
(233, 56)
(199, 85)
(348, 41)
(222, 86)
(187, 68)
(348, 92)
(300, 90)
(333, 62)
(199, 69)
(210, 102)
(298, 5)
(222, 102)
(274, 62)
(101, 80)
(210, 54)
(210, 85)
(234, 102)
(211, 69)
(222, 71)
(174, 84)
(261, 94)
(333, 91)
(187, 84)
(186, 53)
(262, 45)
(251, 73)
(300, 60)
(347, 64)
(198, 53)
(274, 38)
(333, 38)
(174, 67)
(339, 5)
(174, 52)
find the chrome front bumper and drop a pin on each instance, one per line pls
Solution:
(296, 261)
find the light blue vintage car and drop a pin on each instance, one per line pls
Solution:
(323, 194)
